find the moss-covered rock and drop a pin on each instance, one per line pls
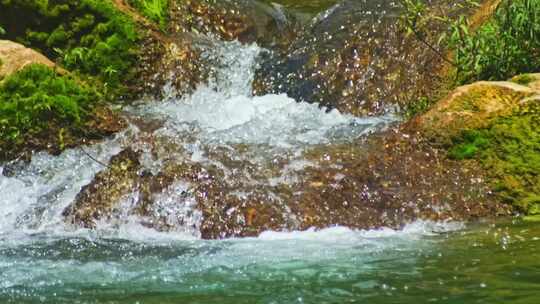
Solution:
(498, 124)
(91, 37)
(43, 110)
(472, 107)
(104, 50)
(155, 10)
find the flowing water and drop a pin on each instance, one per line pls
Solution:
(45, 260)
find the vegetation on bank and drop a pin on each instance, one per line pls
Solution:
(155, 10)
(507, 44)
(89, 37)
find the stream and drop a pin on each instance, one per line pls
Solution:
(125, 259)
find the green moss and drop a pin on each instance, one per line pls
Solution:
(90, 37)
(155, 10)
(509, 150)
(421, 105)
(524, 79)
(36, 97)
(469, 145)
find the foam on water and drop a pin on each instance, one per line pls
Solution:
(35, 197)
(53, 261)
(416, 229)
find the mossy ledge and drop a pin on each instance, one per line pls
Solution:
(43, 110)
(497, 124)
(509, 150)
(88, 37)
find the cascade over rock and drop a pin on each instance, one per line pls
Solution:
(388, 179)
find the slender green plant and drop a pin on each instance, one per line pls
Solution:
(155, 10)
(507, 45)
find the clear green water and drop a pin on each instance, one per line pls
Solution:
(484, 263)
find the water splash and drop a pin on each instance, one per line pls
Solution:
(224, 111)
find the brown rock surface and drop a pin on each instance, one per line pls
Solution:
(389, 179)
(15, 56)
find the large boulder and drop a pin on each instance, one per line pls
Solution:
(497, 124)
(473, 106)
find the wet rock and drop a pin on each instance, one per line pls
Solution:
(389, 180)
(307, 8)
(243, 20)
(357, 59)
(14, 57)
(99, 199)
(164, 60)
(173, 62)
